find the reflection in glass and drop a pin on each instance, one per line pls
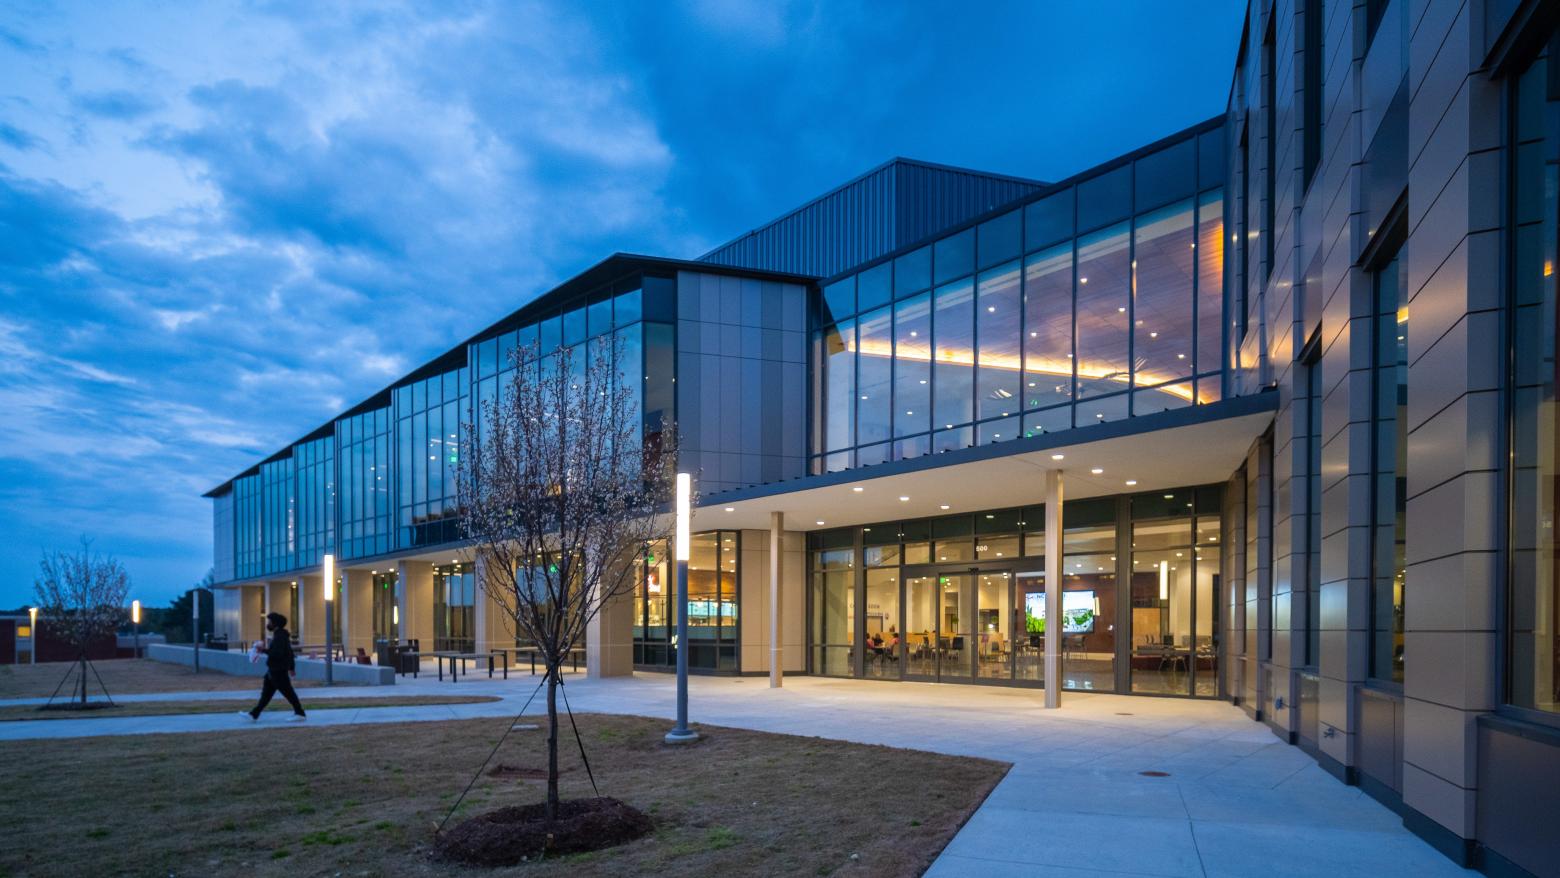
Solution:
(954, 339)
(913, 365)
(1534, 596)
(1048, 331)
(1164, 258)
(1390, 472)
(997, 327)
(834, 607)
(839, 390)
(874, 375)
(1210, 282)
(882, 647)
(1104, 276)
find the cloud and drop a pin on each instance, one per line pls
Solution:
(16, 138)
(118, 104)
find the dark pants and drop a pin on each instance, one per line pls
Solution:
(277, 681)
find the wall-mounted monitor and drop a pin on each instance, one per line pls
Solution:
(1077, 612)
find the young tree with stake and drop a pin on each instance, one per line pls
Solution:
(559, 493)
(81, 595)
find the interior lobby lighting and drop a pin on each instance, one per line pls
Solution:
(1058, 456)
(1131, 482)
(1164, 580)
(1097, 471)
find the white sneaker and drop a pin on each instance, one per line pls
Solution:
(249, 716)
(297, 718)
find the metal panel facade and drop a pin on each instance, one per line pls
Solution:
(887, 208)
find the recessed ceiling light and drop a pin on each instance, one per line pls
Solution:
(731, 509)
(1096, 471)
(858, 489)
(820, 521)
(1169, 496)
(945, 506)
(1131, 482)
(904, 499)
(1058, 456)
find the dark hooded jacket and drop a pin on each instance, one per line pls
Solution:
(279, 655)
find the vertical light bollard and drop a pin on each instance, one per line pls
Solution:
(330, 588)
(681, 734)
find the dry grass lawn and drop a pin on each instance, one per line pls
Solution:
(278, 706)
(363, 800)
(123, 677)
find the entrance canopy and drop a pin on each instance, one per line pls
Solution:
(1173, 449)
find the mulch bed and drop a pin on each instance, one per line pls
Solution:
(509, 836)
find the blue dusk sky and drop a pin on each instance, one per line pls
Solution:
(222, 223)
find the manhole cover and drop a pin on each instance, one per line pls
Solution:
(1155, 773)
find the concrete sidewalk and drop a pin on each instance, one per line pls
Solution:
(1237, 801)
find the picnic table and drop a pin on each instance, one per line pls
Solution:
(533, 654)
(458, 660)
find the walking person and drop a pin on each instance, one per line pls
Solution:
(279, 668)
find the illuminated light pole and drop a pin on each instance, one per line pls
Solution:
(135, 619)
(682, 734)
(330, 595)
(32, 631)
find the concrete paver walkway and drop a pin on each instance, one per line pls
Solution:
(1237, 801)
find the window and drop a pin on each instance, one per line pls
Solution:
(1313, 20)
(712, 600)
(833, 604)
(1389, 477)
(874, 375)
(1210, 294)
(1164, 263)
(1533, 586)
(1048, 354)
(997, 330)
(913, 365)
(1104, 284)
(1311, 550)
(1270, 143)
(953, 335)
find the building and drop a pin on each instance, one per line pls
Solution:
(1293, 371)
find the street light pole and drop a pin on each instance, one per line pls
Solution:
(195, 623)
(330, 595)
(32, 628)
(135, 619)
(682, 734)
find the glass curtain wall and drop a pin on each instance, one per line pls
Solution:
(655, 608)
(712, 600)
(278, 534)
(454, 608)
(1071, 311)
(1174, 591)
(962, 597)
(1389, 459)
(713, 596)
(1533, 596)
(429, 415)
(386, 621)
(363, 443)
(316, 493)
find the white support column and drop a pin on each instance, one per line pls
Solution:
(1053, 588)
(776, 645)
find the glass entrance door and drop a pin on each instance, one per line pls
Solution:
(960, 625)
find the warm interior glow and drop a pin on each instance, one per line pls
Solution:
(1164, 580)
(1062, 368)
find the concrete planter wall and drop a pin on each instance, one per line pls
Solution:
(237, 664)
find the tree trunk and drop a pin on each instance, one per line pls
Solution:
(552, 743)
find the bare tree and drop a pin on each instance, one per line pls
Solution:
(81, 596)
(560, 493)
